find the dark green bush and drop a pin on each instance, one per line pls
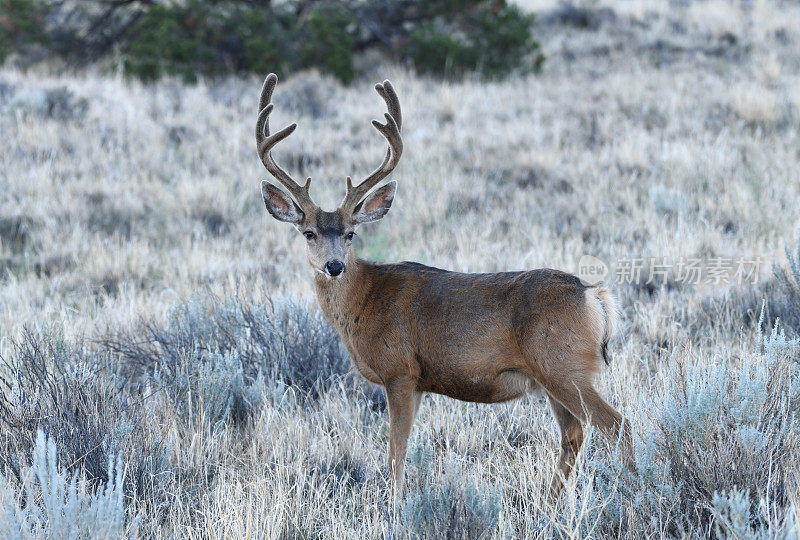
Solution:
(328, 41)
(460, 36)
(21, 25)
(210, 37)
(201, 37)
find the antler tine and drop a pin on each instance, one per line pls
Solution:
(386, 90)
(265, 142)
(391, 131)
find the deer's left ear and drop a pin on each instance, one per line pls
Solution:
(375, 206)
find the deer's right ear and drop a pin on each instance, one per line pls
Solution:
(280, 205)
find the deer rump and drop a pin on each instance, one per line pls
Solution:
(479, 337)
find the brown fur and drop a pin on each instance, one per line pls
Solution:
(475, 337)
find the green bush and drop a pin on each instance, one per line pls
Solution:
(201, 37)
(21, 25)
(196, 38)
(488, 37)
(77, 398)
(326, 42)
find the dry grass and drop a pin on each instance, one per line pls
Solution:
(662, 132)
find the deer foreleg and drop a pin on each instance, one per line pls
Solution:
(403, 400)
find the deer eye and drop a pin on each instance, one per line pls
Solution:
(309, 235)
(350, 235)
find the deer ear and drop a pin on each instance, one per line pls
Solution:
(375, 206)
(280, 205)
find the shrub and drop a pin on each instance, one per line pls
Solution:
(327, 41)
(53, 387)
(209, 37)
(71, 395)
(490, 37)
(721, 448)
(225, 351)
(21, 25)
(17, 232)
(789, 280)
(202, 37)
(49, 502)
(450, 506)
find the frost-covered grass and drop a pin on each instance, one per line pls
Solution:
(152, 313)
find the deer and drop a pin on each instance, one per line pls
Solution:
(415, 329)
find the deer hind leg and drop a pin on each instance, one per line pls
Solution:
(585, 403)
(403, 400)
(571, 443)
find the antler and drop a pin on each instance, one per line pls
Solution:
(390, 130)
(265, 142)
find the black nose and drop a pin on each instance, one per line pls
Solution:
(334, 268)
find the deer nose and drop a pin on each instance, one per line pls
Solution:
(334, 268)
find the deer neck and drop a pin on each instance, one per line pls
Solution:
(342, 299)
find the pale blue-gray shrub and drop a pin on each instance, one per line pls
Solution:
(224, 356)
(52, 503)
(720, 446)
(449, 506)
(788, 278)
(71, 394)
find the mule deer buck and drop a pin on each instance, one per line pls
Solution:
(482, 338)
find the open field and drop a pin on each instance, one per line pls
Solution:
(175, 325)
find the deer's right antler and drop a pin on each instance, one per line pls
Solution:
(265, 142)
(390, 130)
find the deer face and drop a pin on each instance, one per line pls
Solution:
(328, 235)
